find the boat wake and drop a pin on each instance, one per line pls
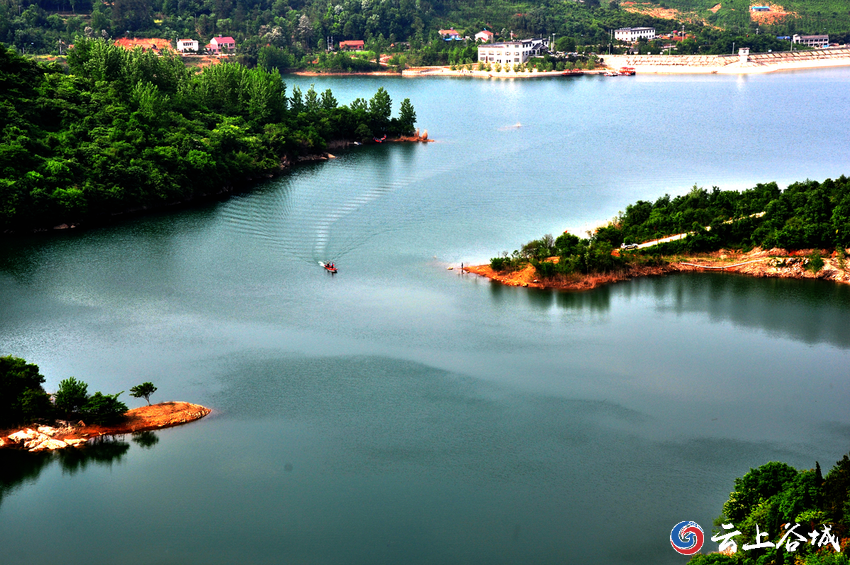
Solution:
(313, 216)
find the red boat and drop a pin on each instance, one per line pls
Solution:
(329, 267)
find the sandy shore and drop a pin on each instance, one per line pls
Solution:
(344, 73)
(447, 72)
(756, 63)
(776, 263)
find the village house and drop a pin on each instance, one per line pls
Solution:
(221, 44)
(449, 34)
(511, 52)
(187, 45)
(485, 36)
(352, 45)
(632, 34)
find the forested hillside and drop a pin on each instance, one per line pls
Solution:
(130, 129)
(302, 28)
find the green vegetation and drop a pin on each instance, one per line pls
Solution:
(71, 396)
(129, 130)
(144, 390)
(21, 395)
(288, 35)
(23, 400)
(103, 408)
(775, 495)
(806, 215)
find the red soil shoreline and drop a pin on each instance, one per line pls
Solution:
(145, 418)
(775, 263)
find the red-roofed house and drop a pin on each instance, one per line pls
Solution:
(449, 34)
(219, 44)
(352, 45)
(485, 36)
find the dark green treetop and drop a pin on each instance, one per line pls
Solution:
(144, 390)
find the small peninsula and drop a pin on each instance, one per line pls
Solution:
(144, 418)
(33, 420)
(800, 232)
(772, 263)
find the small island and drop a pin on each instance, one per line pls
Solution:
(33, 420)
(800, 232)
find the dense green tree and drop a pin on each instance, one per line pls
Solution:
(71, 396)
(407, 117)
(380, 109)
(144, 390)
(104, 408)
(836, 495)
(20, 390)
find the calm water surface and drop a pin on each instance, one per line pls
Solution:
(401, 413)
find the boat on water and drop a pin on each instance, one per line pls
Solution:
(329, 267)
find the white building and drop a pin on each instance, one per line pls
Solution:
(632, 34)
(187, 45)
(811, 40)
(511, 52)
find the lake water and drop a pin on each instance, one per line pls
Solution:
(401, 413)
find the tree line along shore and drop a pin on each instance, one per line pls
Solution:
(120, 130)
(801, 232)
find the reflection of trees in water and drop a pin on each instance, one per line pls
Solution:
(597, 300)
(808, 311)
(104, 450)
(145, 440)
(19, 467)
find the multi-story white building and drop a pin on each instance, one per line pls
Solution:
(632, 34)
(511, 52)
(811, 40)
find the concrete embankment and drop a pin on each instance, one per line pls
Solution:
(732, 64)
